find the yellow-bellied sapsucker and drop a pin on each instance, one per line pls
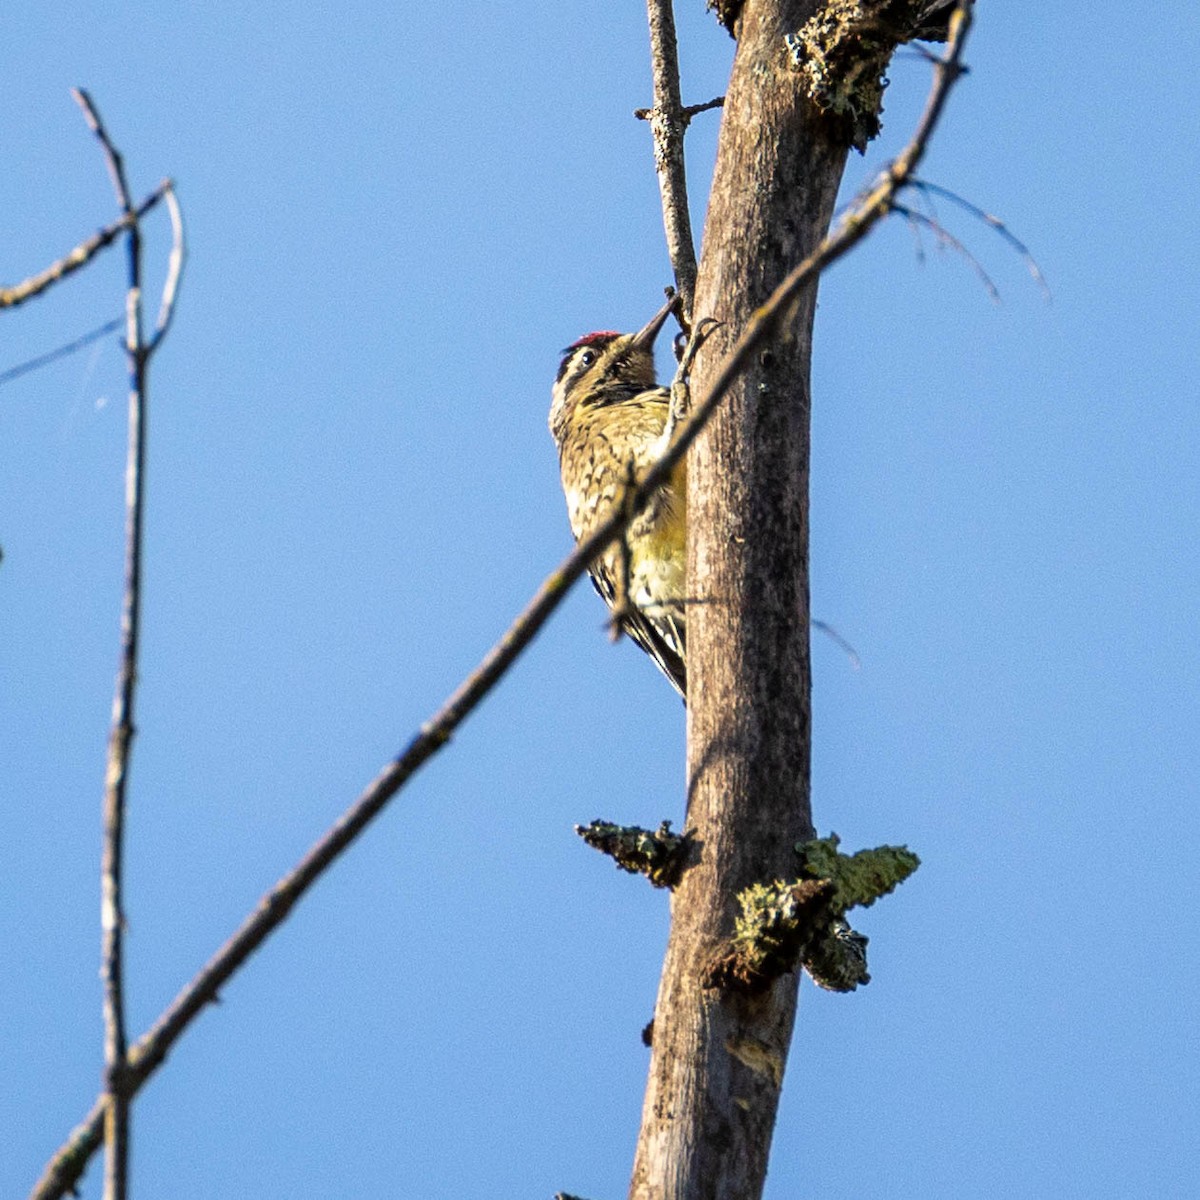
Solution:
(608, 418)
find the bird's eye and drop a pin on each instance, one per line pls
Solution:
(587, 358)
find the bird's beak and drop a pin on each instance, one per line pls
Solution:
(644, 338)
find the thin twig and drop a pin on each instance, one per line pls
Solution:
(947, 240)
(1031, 265)
(112, 156)
(120, 742)
(54, 355)
(170, 293)
(668, 120)
(694, 110)
(66, 1167)
(10, 297)
(688, 110)
(835, 637)
(918, 245)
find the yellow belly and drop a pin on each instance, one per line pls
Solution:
(658, 549)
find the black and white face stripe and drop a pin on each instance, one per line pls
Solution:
(583, 354)
(582, 366)
(601, 369)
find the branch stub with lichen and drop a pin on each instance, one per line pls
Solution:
(783, 924)
(659, 854)
(859, 879)
(842, 52)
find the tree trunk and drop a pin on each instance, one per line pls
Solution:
(718, 1057)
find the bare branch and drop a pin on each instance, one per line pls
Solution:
(64, 1171)
(1031, 265)
(668, 121)
(688, 110)
(120, 742)
(67, 1165)
(170, 293)
(693, 110)
(43, 360)
(946, 239)
(112, 1108)
(914, 227)
(112, 157)
(10, 297)
(837, 639)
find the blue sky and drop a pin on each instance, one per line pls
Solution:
(395, 223)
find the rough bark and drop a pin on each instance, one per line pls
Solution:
(718, 1057)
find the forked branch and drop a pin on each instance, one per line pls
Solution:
(117, 1093)
(10, 297)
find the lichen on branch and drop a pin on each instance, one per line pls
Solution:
(727, 12)
(859, 879)
(659, 854)
(842, 52)
(778, 922)
(802, 922)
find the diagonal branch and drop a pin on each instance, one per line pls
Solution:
(64, 1170)
(10, 297)
(44, 360)
(112, 156)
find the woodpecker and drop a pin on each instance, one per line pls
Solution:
(608, 418)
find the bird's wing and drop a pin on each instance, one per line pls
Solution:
(660, 632)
